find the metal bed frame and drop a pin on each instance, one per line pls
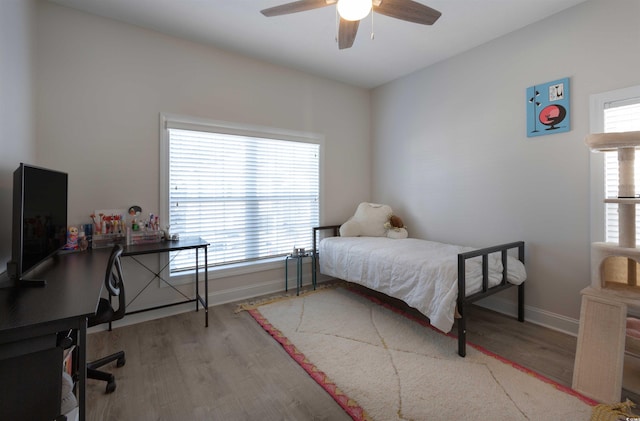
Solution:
(462, 301)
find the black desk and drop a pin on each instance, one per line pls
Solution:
(31, 317)
(29, 321)
(196, 244)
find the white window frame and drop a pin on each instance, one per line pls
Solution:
(169, 120)
(597, 169)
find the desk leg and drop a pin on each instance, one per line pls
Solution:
(206, 289)
(298, 275)
(82, 368)
(286, 274)
(197, 279)
(313, 270)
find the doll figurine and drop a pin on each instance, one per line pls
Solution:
(72, 239)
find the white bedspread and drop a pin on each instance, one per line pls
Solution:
(423, 274)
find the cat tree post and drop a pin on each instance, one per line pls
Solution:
(626, 189)
(599, 363)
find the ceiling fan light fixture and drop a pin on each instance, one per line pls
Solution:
(353, 9)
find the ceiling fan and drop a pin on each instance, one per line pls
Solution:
(351, 11)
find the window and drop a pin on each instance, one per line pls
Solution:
(253, 193)
(616, 111)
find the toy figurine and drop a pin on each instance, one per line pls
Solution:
(134, 214)
(72, 239)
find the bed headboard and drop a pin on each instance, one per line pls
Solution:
(316, 232)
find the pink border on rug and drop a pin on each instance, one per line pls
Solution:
(350, 406)
(485, 351)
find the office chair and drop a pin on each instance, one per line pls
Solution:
(114, 283)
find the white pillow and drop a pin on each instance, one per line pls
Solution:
(350, 228)
(368, 221)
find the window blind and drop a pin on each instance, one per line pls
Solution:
(250, 197)
(619, 116)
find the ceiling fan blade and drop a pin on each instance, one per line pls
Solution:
(347, 33)
(408, 10)
(296, 6)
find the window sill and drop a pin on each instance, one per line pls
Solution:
(231, 270)
(246, 267)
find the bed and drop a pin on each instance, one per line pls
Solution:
(426, 275)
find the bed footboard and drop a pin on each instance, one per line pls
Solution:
(463, 301)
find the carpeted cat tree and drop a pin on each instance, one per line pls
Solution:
(615, 284)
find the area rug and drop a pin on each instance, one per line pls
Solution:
(380, 364)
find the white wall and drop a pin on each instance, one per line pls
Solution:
(454, 161)
(101, 85)
(17, 119)
(450, 150)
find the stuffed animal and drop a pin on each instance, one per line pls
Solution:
(395, 222)
(374, 220)
(396, 228)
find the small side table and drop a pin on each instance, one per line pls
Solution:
(299, 259)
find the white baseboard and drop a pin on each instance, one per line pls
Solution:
(534, 315)
(245, 292)
(215, 298)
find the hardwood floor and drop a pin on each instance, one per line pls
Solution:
(233, 370)
(179, 370)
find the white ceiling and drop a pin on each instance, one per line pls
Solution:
(306, 40)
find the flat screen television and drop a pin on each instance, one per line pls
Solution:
(39, 223)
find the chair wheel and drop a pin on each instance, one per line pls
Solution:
(121, 361)
(111, 385)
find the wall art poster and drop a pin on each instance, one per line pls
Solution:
(548, 108)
